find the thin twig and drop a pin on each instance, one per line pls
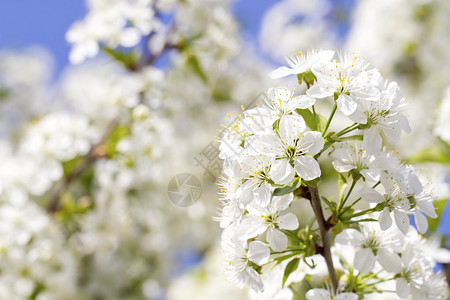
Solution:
(326, 247)
(87, 161)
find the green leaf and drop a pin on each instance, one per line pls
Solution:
(70, 165)
(288, 188)
(194, 64)
(128, 59)
(291, 267)
(433, 224)
(313, 182)
(338, 228)
(115, 137)
(309, 118)
(330, 204)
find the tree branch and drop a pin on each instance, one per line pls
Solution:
(326, 248)
(87, 161)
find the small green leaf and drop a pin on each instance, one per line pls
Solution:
(313, 182)
(309, 118)
(128, 59)
(115, 137)
(330, 204)
(433, 224)
(338, 228)
(288, 188)
(70, 165)
(194, 64)
(291, 267)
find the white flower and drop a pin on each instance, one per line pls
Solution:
(234, 138)
(385, 114)
(292, 147)
(230, 188)
(395, 203)
(323, 294)
(372, 245)
(422, 203)
(347, 80)
(238, 258)
(302, 62)
(257, 176)
(273, 289)
(282, 101)
(120, 23)
(357, 157)
(261, 219)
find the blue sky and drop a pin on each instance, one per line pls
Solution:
(30, 22)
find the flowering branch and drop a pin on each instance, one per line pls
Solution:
(324, 233)
(87, 161)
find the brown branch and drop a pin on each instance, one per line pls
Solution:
(326, 247)
(87, 161)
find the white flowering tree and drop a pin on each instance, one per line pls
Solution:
(356, 243)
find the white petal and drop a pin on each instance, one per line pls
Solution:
(369, 93)
(303, 101)
(402, 287)
(403, 123)
(318, 294)
(288, 221)
(284, 294)
(311, 142)
(364, 260)
(317, 91)
(371, 174)
(277, 240)
(428, 208)
(421, 222)
(341, 167)
(280, 203)
(385, 219)
(251, 226)
(254, 280)
(307, 167)
(346, 296)
(281, 171)
(346, 104)
(281, 72)
(264, 144)
(263, 194)
(370, 195)
(350, 236)
(372, 141)
(258, 252)
(389, 261)
(402, 221)
(129, 37)
(290, 127)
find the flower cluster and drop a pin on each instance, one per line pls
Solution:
(271, 157)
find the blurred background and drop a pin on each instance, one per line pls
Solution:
(109, 112)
